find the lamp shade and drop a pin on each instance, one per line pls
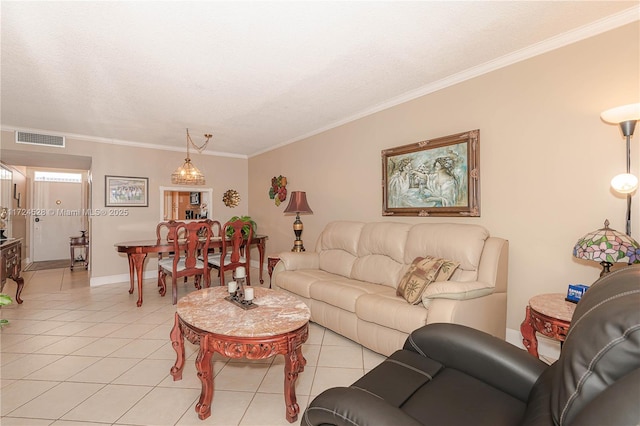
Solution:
(187, 174)
(607, 245)
(624, 183)
(298, 203)
(622, 113)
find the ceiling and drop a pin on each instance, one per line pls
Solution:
(258, 74)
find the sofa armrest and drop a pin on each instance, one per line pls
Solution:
(353, 406)
(480, 355)
(456, 290)
(293, 261)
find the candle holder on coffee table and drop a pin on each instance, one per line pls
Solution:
(238, 295)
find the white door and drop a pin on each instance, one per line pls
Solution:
(57, 215)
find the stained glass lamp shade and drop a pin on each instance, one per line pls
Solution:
(607, 246)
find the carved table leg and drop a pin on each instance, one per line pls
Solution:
(20, 282)
(177, 342)
(138, 262)
(294, 363)
(529, 339)
(132, 272)
(261, 247)
(205, 374)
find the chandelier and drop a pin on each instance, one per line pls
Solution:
(188, 174)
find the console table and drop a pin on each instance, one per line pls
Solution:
(11, 264)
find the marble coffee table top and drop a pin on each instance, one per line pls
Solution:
(553, 305)
(277, 313)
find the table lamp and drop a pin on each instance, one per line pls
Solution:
(607, 246)
(298, 205)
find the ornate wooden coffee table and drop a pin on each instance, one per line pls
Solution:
(280, 325)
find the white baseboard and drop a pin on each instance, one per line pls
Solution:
(548, 348)
(124, 278)
(121, 278)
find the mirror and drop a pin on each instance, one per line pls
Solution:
(185, 203)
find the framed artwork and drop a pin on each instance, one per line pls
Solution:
(124, 191)
(194, 198)
(436, 177)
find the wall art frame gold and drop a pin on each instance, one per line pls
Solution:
(435, 177)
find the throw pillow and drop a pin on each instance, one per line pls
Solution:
(447, 269)
(422, 272)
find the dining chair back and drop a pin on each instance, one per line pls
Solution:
(193, 239)
(235, 251)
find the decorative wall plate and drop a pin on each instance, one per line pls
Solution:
(231, 198)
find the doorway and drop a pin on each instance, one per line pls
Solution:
(59, 205)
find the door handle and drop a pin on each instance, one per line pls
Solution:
(37, 219)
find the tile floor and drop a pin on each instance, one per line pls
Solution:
(79, 355)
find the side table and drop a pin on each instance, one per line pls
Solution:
(549, 315)
(271, 263)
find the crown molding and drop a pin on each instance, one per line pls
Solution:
(110, 141)
(581, 33)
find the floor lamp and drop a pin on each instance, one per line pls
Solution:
(626, 116)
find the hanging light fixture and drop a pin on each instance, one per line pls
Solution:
(188, 174)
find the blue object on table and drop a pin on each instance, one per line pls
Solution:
(575, 292)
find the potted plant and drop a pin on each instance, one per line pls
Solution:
(5, 299)
(245, 228)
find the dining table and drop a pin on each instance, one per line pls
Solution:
(137, 252)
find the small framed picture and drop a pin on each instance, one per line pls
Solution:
(194, 198)
(124, 191)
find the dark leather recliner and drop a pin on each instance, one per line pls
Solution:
(448, 374)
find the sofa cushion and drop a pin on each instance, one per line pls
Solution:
(460, 242)
(338, 247)
(342, 292)
(422, 272)
(299, 282)
(380, 257)
(389, 310)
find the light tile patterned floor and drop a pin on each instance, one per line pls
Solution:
(79, 355)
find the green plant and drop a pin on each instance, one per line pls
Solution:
(4, 300)
(245, 228)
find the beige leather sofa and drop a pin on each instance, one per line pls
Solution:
(349, 282)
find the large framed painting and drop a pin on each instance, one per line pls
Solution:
(124, 191)
(436, 177)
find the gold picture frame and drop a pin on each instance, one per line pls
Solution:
(436, 177)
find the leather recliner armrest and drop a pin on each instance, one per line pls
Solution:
(479, 355)
(352, 406)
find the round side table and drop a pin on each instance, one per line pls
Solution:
(549, 315)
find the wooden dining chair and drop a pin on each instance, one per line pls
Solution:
(233, 253)
(193, 242)
(165, 233)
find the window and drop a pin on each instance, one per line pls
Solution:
(58, 177)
